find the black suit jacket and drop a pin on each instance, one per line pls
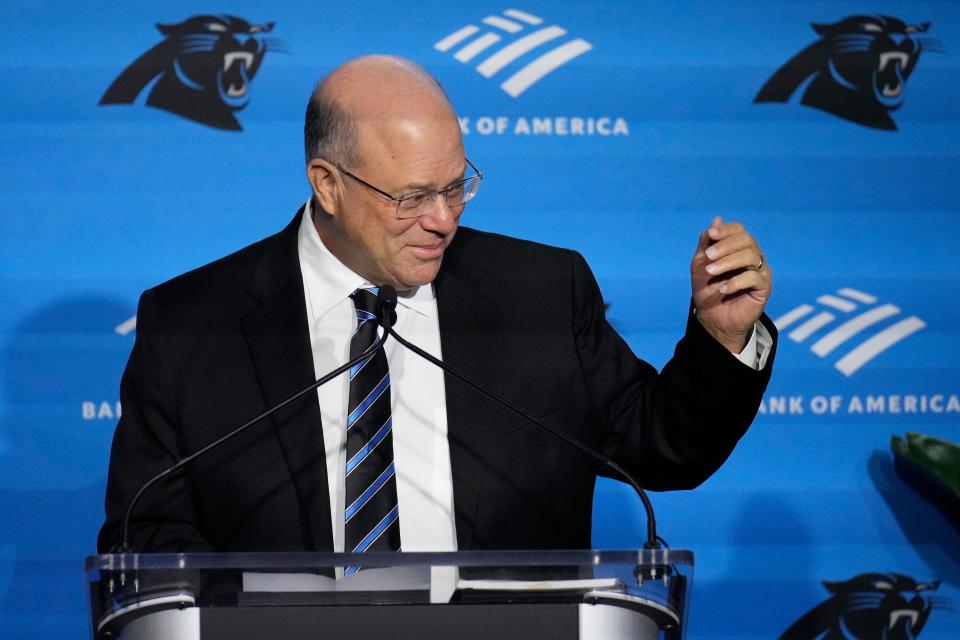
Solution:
(218, 345)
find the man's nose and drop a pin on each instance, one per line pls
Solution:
(440, 217)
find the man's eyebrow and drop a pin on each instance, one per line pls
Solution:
(413, 187)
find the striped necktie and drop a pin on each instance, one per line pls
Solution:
(371, 515)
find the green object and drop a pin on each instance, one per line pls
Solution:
(940, 458)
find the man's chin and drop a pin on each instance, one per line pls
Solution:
(419, 276)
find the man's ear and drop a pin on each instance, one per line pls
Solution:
(325, 183)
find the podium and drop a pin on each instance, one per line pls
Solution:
(499, 595)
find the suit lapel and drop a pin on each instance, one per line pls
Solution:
(470, 341)
(278, 338)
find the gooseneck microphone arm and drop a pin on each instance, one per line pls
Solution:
(652, 539)
(386, 317)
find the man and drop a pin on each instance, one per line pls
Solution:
(389, 179)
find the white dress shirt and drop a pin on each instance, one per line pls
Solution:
(755, 354)
(417, 396)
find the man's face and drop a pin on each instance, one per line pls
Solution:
(400, 158)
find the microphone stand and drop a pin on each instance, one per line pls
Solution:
(652, 538)
(386, 320)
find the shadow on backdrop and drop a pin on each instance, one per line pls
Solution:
(772, 563)
(53, 459)
(932, 536)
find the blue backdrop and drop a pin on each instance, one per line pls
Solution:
(615, 128)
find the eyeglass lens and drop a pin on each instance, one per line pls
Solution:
(416, 205)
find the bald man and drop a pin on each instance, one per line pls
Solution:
(389, 180)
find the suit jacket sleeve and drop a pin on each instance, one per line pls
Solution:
(147, 441)
(672, 430)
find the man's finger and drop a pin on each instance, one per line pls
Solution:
(719, 230)
(748, 280)
(713, 230)
(700, 255)
(705, 239)
(731, 244)
(748, 258)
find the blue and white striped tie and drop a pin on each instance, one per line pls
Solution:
(371, 515)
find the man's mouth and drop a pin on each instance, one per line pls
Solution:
(427, 251)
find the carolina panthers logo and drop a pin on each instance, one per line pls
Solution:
(871, 606)
(201, 71)
(856, 70)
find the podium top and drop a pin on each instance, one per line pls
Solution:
(260, 561)
(126, 587)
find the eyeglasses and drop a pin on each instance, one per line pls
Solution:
(416, 204)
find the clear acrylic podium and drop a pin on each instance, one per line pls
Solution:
(590, 595)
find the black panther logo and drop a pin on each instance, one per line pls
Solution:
(856, 70)
(201, 71)
(871, 606)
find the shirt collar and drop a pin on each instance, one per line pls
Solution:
(327, 281)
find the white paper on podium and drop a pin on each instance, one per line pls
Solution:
(587, 584)
(440, 581)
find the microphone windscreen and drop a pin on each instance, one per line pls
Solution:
(387, 304)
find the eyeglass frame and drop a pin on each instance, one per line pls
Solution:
(435, 192)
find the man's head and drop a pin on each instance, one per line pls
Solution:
(387, 122)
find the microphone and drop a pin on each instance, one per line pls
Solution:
(386, 316)
(386, 310)
(389, 300)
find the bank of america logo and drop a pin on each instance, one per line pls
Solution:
(514, 26)
(857, 312)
